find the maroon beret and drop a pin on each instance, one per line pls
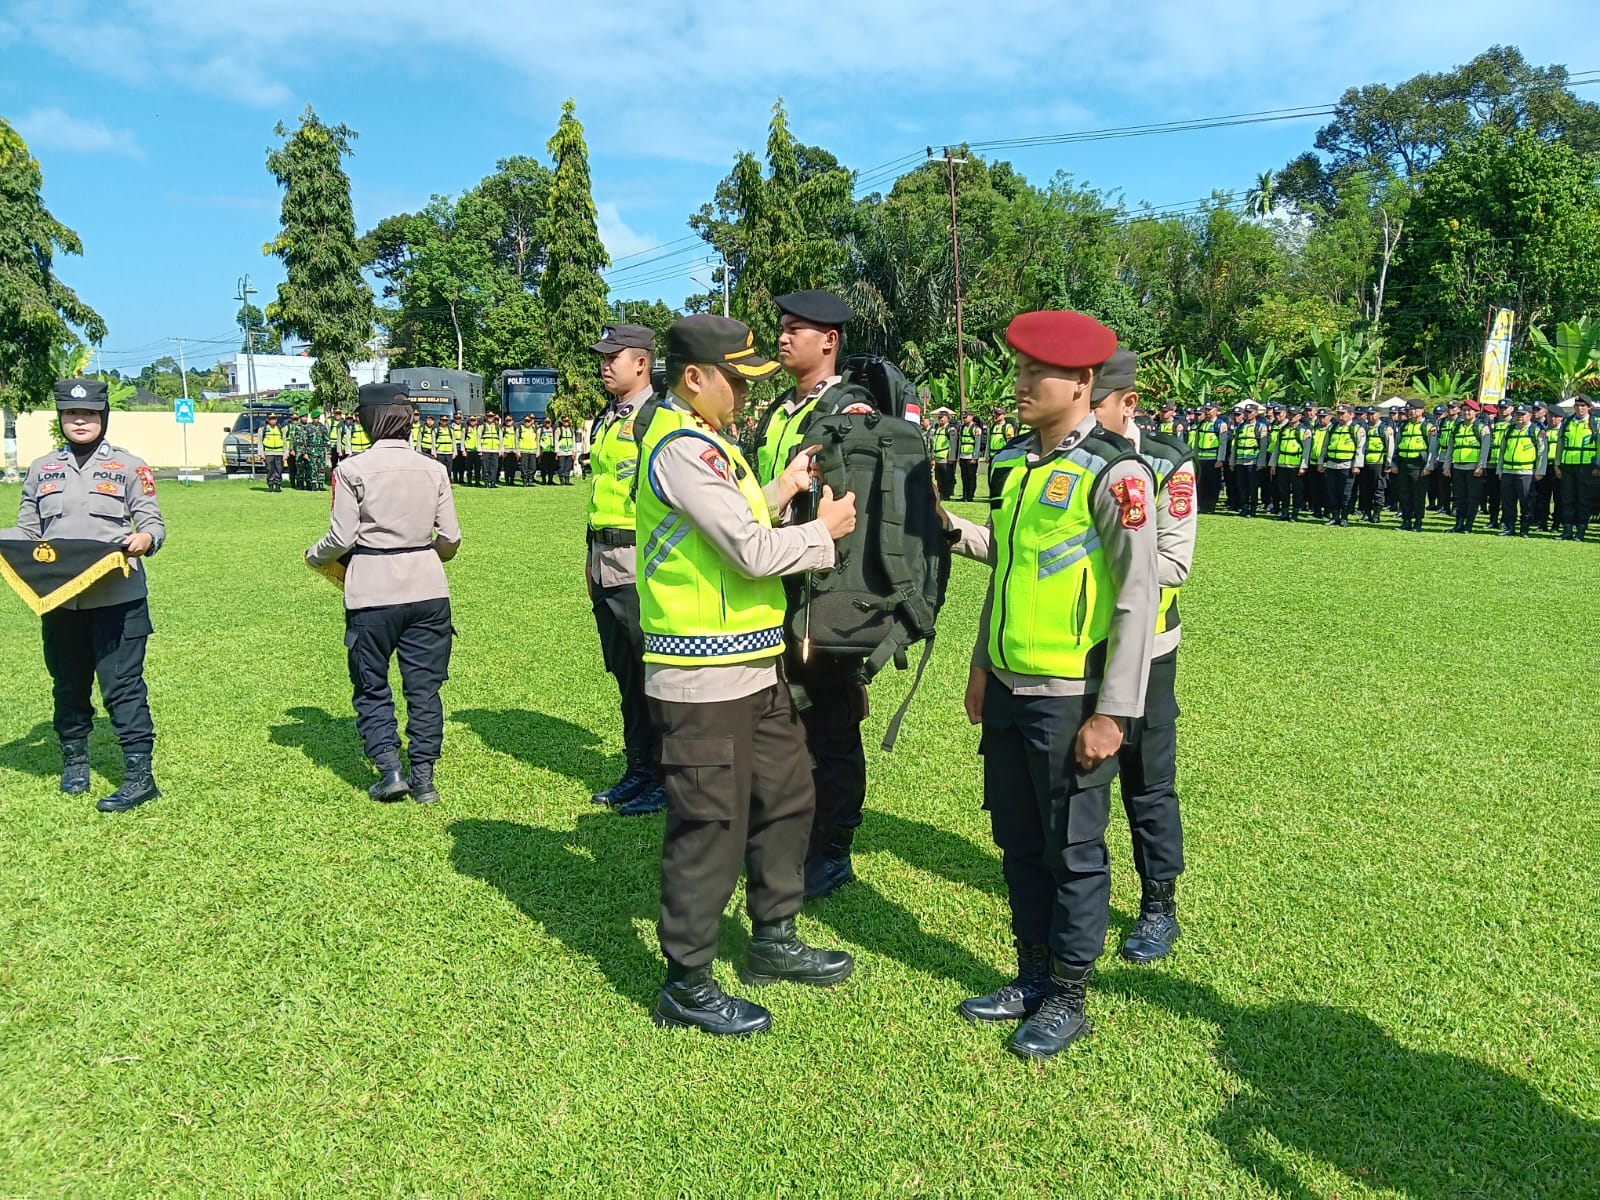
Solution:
(1062, 339)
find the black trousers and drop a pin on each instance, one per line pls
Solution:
(530, 467)
(1371, 489)
(1412, 492)
(1576, 496)
(274, 472)
(1148, 768)
(1291, 492)
(944, 475)
(1466, 490)
(1049, 821)
(82, 643)
(490, 467)
(1544, 498)
(969, 479)
(1210, 485)
(1491, 496)
(832, 706)
(509, 464)
(474, 466)
(1245, 490)
(547, 466)
(1339, 488)
(738, 794)
(564, 467)
(1516, 492)
(616, 619)
(419, 635)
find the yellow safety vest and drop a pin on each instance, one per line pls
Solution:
(613, 461)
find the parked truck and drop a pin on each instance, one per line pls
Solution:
(441, 392)
(527, 390)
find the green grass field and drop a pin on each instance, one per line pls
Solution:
(265, 984)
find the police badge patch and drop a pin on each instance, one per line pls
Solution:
(147, 480)
(1129, 494)
(1180, 493)
(1058, 489)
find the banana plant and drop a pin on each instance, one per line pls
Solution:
(1337, 369)
(1182, 379)
(1446, 386)
(1255, 376)
(1569, 363)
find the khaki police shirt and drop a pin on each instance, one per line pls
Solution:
(1176, 530)
(613, 566)
(391, 497)
(717, 510)
(111, 496)
(1131, 556)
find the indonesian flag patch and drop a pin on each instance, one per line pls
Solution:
(1129, 495)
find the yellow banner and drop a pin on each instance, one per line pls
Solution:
(1496, 357)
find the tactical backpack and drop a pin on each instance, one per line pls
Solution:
(889, 578)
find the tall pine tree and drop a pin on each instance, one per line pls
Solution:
(572, 292)
(37, 310)
(323, 300)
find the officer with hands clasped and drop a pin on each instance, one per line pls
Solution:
(394, 525)
(733, 757)
(93, 491)
(1060, 668)
(626, 353)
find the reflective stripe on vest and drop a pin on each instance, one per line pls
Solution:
(489, 439)
(272, 440)
(1205, 441)
(1466, 444)
(1053, 598)
(1292, 446)
(1375, 444)
(1577, 442)
(969, 442)
(564, 441)
(1247, 441)
(780, 440)
(613, 462)
(1341, 444)
(694, 609)
(1413, 440)
(1520, 451)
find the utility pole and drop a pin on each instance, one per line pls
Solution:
(245, 292)
(724, 285)
(950, 163)
(183, 371)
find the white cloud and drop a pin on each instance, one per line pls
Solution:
(57, 129)
(620, 241)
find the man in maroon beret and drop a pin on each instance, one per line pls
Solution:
(1061, 664)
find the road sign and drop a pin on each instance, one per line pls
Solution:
(184, 411)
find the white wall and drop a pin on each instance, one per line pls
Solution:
(155, 437)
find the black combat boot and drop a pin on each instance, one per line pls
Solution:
(391, 784)
(422, 789)
(75, 767)
(138, 785)
(1059, 1021)
(1157, 927)
(828, 866)
(691, 999)
(653, 799)
(1021, 997)
(635, 781)
(777, 953)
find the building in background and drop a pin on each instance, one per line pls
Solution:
(289, 372)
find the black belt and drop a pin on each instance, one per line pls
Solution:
(614, 537)
(389, 550)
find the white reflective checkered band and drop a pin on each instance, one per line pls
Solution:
(720, 645)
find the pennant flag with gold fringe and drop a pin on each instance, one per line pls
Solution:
(333, 571)
(48, 573)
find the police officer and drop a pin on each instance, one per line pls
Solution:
(1148, 760)
(1444, 418)
(626, 356)
(1342, 448)
(831, 700)
(1208, 436)
(547, 452)
(472, 446)
(528, 449)
(1574, 454)
(1546, 494)
(1522, 460)
(1060, 667)
(489, 451)
(1247, 452)
(942, 449)
(1416, 447)
(712, 608)
(1377, 461)
(1465, 462)
(1498, 417)
(394, 524)
(969, 441)
(271, 444)
(566, 450)
(444, 447)
(95, 491)
(1287, 464)
(1002, 429)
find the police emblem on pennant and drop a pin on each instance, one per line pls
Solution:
(78, 392)
(44, 552)
(1129, 495)
(1058, 489)
(1180, 493)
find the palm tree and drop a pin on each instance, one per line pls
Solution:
(1261, 197)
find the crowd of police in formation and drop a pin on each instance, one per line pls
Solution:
(475, 451)
(752, 745)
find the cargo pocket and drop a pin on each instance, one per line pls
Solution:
(699, 777)
(136, 622)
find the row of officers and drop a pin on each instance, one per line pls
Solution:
(475, 451)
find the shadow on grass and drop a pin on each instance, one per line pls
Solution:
(586, 886)
(549, 743)
(329, 741)
(936, 851)
(1332, 1084)
(37, 752)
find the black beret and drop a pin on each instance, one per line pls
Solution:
(820, 308)
(708, 338)
(377, 395)
(625, 337)
(1116, 373)
(90, 394)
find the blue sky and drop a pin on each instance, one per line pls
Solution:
(152, 118)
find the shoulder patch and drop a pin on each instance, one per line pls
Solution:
(1129, 494)
(147, 480)
(1180, 492)
(718, 462)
